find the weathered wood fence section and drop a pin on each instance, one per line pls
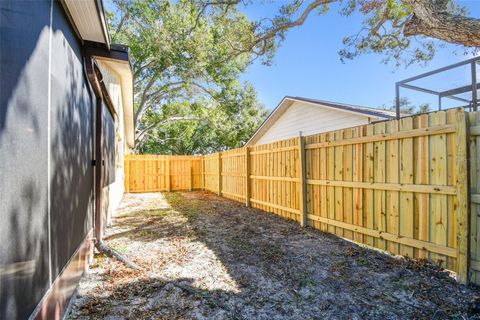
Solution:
(400, 186)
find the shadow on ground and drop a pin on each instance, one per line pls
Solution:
(207, 257)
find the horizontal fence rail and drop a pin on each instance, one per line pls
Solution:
(399, 186)
(151, 173)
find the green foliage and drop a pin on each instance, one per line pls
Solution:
(217, 126)
(187, 58)
(188, 55)
(407, 107)
(382, 32)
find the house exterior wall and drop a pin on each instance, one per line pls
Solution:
(113, 192)
(24, 237)
(72, 110)
(47, 117)
(309, 119)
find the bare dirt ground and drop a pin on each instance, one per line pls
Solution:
(205, 257)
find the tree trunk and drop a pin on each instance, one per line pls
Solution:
(432, 20)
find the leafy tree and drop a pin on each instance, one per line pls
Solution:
(407, 31)
(220, 126)
(423, 108)
(191, 52)
(407, 107)
(187, 53)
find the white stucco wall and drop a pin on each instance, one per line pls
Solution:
(309, 119)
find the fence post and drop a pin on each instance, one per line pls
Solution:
(247, 176)
(167, 173)
(202, 171)
(190, 178)
(303, 186)
(127, 174)
(219, 173)
(462, 207)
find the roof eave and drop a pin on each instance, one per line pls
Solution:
(254, 138)
(119, 59)
(344, 107)
(88, 26)
(280, 108)
(101, 14)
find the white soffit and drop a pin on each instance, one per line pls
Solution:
(122, 68)
(88, 20)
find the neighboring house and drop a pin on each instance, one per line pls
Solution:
(66, 122)
(309, 116)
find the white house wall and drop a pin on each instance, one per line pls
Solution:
(309, 119)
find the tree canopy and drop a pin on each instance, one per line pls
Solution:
(407, 107)
(187, 59)
(218, 126)
(188, 56)
(408, 31)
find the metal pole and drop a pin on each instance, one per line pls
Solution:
(474, 86)
(439, 102)
(397, 100)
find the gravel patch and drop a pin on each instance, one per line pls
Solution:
(205, 257)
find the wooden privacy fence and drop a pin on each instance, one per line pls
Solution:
(399, 185)
(151, 173)
(474, 152)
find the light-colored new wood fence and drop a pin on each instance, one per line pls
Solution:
(151, 173)
(212, 172)
(399, 186)
(474, 149)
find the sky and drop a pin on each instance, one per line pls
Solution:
(307, 64)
